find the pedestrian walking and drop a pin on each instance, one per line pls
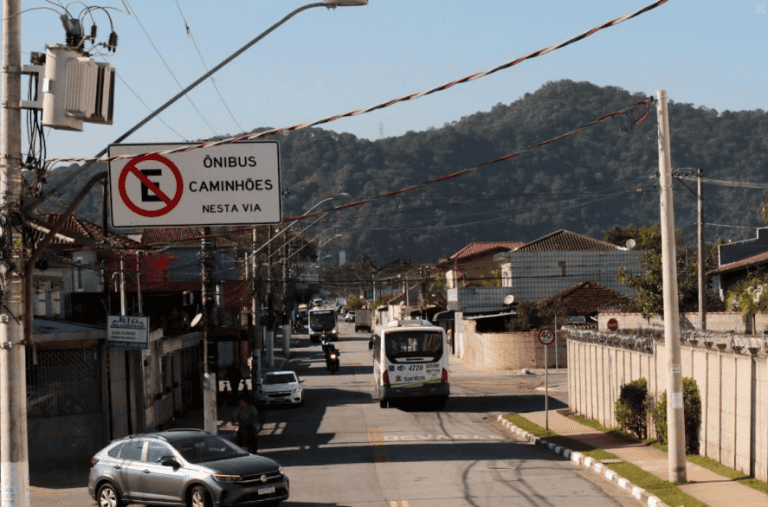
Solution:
(246, 417)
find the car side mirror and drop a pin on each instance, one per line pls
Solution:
(169, 461)
(370, 344)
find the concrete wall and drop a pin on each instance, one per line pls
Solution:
(508, 351)
(731, 373)
(719, 322)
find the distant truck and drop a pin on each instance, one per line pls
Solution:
(363, 320)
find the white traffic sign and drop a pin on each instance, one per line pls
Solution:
(220, 185)
(546, 336)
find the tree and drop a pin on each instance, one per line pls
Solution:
(649, 286)
(749, 296)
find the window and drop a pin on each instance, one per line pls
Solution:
(115, 451)
(561, 265)
(132, 450)
(156, 451)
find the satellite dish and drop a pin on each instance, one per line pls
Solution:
(196, 320)
(509, 300)
(631, 243)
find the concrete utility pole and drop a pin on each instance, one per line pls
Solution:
(675, 418)
(255, 314)
(210, 415)
(702, 280)
(14, 458)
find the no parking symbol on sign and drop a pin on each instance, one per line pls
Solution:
(218, 185)
(150, 190)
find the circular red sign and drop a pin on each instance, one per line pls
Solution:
(546, 336)
(130, 168)
(613, 324)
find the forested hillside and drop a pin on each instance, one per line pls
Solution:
(600, 177)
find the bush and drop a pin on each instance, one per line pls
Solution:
(631, 408)
(691, 415)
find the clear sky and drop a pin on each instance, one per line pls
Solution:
(323, 62)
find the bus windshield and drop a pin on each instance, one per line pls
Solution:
(403, 344)
(324, 320)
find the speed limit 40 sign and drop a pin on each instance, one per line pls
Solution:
(546, 336)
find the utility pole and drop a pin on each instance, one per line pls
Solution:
(255, 315)
(210, 415)
(138, 282)
(702, 281)
(14, 453)
(675, 418)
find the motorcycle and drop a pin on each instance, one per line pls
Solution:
(333, 361)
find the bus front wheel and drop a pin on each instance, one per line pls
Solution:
(383, 403)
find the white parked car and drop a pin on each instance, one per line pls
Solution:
(350, 317)
(280, 387)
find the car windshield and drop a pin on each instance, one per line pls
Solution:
(280, 378)
(207, 448)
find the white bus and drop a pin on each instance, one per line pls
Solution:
(322, 320)
(410, 360)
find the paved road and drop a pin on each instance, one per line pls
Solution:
(342, 449)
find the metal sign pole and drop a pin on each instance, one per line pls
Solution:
(546, 387)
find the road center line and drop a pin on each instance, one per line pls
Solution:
(377, 440)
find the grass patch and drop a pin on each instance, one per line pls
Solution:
(666, 491)
(703, 461)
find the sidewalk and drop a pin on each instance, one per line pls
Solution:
(706, 486)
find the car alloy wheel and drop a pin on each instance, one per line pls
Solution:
(199, 497)
(109, 497)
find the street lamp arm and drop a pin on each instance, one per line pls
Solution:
(39, 200)
(296, 221)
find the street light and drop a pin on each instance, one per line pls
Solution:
(343, 194)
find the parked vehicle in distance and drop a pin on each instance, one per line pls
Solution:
(322, 320)
(410, 360)
(364, 320)
(350, 317)
(188, 467)
(280, 387)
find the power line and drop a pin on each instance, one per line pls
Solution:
(412, 96)
(205, 66)
(169, 68)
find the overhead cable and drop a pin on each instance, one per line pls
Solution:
(413, 96)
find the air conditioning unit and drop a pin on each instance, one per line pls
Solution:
(76, 89)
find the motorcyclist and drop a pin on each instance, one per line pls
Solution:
(329, 349)
(246, 416)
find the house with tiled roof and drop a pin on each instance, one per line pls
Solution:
(588, 298)
(184, 244)
(727, 275)
(542, 268)
(473, 265)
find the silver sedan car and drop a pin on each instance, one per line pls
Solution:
(187, 467)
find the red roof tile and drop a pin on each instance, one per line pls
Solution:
(179, 236)
(760, 258)
(482, 247)
(567, 241)
(81, 230)
(590, 297)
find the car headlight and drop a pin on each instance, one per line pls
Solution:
(296, 389)
(225, 477)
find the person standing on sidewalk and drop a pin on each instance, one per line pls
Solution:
(246, 417)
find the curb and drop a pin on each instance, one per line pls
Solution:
(588, 463)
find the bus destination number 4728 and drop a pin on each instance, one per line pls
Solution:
(410, 360)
